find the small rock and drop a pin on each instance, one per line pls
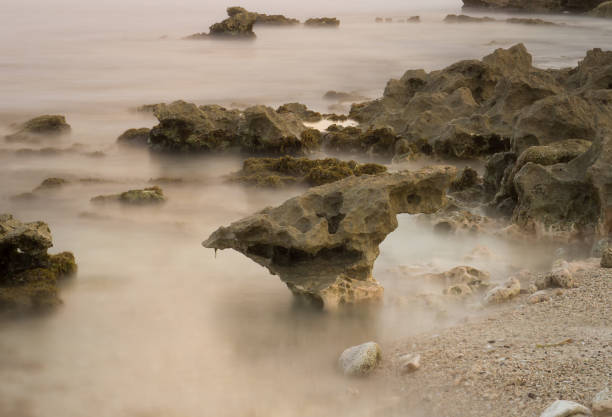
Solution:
(561, 408)
(602, 404)
(508, 290)
(409, 363)
(606, 259)
(539, 297)
(360, 360)
(560, 277)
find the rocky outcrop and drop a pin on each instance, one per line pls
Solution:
(239, 24)
(323, 243)
(573, 198)
(322, 22)
(40, 128)
(259, 130)
(301, 111)
(290, 171)
(603, 10)
(577, 6)
(148, 196)
(134, 137)
(28, 274)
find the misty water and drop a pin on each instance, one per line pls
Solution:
(154, 324)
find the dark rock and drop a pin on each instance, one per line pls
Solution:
(39, 128)
(134, 137)
(322, 22)
(301, 111)
(288, 171)
(453, 18)
(148, 196)
(531, 22)
(577, 6)
(28, 275)
(603, 10)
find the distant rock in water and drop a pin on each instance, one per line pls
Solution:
(533, 22)
(147, 196)
(258, 130)
(323, 243)
(413, 19)
(28, 275)
(134, 137)
(239, 24)
(603, 10)
(576, 6)
(322, 22)
(343, 97)
(453, 18)
(289, 171)
(40, 128)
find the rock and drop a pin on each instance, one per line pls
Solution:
(360, 360)
(239, 25)
(187, 128)
(379, 20)
(603, 10)
(562, 408)
(323, 243)
(28, 275)
(539, 297)
(559, 277)
(287, 171)
(602, 404)
(51, 183)
(532, 22)
(505, 292)
(457, 219)
(301, 111)
(148, 196)
(570, 198)
(577, 6)
(343, 97)
(409, 363)
(353, 141)
(275, 20)
(606, 258)
(39, 128)
(453, 18)
(460, 281)
(468, 178)
(594, 72)
(413, 19)
(134, 137)
(322, 22)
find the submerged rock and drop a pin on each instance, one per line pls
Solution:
(360, 360)
(28, 275)
(323, 243)
(286, 171)
(462, 18)
(39, 128)
(533, 22)
(322, 22)
(51, 183)
(134, 137)
(148, 196)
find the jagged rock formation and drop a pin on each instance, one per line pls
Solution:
(239, 24)
(185, 127)
(39, 128)
(289, 171)
(323, 243)
(301, 111)
(28, 275)
(577, 6)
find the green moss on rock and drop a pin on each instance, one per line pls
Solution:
(40, 127)
(288, 171)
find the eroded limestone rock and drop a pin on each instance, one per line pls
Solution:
(39, 128)
(323, 243)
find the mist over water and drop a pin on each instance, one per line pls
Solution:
(154, 324)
